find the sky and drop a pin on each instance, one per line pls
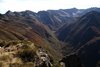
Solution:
(38, 5)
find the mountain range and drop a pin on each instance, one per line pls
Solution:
(83, 36)
(19, 27)
(60, 32)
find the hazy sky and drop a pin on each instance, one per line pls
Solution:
(37, 5)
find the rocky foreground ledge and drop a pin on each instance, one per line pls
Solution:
(23, 54)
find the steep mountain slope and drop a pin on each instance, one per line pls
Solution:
(54, 19)
(84, 29)
(90, 53)
(17, 27)
(84, 37)
(78, 33)
(83, 12)
(57, 18)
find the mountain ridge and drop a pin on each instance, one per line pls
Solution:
(84, 36)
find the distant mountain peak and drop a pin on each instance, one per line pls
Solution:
(10, 13)
(28, 12)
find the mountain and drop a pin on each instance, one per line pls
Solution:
(78, 32)
(14, 26)
(89, 53)
(57, 18)
(54, 19)
(84, 11)
(87, 24)
(36, 27)
(83, 36)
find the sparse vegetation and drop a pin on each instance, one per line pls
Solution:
(17, 53)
